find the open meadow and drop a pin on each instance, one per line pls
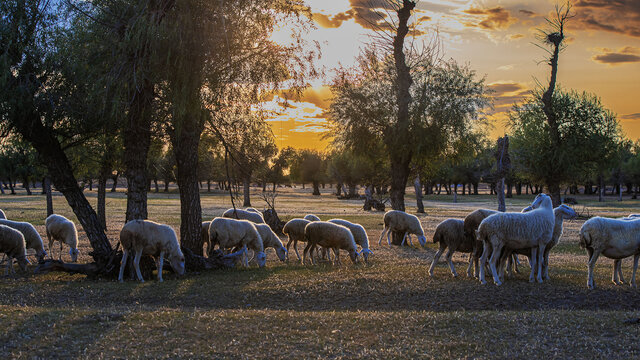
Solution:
(389, 308)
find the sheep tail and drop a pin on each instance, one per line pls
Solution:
(585, 239)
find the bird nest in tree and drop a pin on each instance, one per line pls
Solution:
(555, 38)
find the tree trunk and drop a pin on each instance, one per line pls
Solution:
(509, 190)
(601, 188)
(102, 193)
(208, 186)
(166, 185)
(500, 192)
(316, 188)
(246, 182)
(13, 190)
(619, 192)
(475, 188)
(2, 187)
(418, 189)
(25, 185)
(338, 189)
(115, 182)
(556, 198)
(519, 188)
(90, 181)
(46, 185)
(264, 186)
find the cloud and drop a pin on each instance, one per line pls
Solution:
(516, 36)
(330, 22)
(496, 18)
(619, 16)
(506, 67)
(502, 88)
(634, 116)
(528, 13)
(627, 54)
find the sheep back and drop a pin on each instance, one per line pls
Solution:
(615, 238)
(401, 221)
(311, 217)
(244, 215)
(294, 229)
(450, 232)
(330, 235)
(12, 243)
(62, 229)
(229, 233)
(31, 235)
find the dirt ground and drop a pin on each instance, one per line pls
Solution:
(389, 308)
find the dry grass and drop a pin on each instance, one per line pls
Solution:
(389, 309)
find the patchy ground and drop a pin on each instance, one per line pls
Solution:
(390, 308)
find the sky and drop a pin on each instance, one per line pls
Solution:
(496, 38)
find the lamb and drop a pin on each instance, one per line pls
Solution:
(329, 235)
(230, 233)
(13, 245)
(61, 229)
(270, 239)
(150, 238)
(359, 235)
(294, 229)
(311, 217)
(2, 215)
(244, 215)
(400, 221)
(31, 236)
(561, 213)
(532, 229)
(450, 233)
(613, 238)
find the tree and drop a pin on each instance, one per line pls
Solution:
(309, 166)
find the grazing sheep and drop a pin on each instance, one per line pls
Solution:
(2, 215)
(400, 221)
(31, 236)
(532, 229)
(450, 234)
(613, 238)
(231, 233)
(311, 217)
(294, 229)
(270, 239)
(359, 235)
(561, 213)
(61, 229)
(145, 237)
(13, 245)
(244, 215)
(330, 236)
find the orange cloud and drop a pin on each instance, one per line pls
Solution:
(496, 18)
(621, 16)
(625, 55)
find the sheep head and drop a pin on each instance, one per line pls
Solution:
(365, 254)
(177, 264)
(354, 256)
(261, 258)
(422, 240)
(74, 254)
(282, 253)
(41, 254)
(23, 262)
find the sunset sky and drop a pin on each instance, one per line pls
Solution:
(496, 38)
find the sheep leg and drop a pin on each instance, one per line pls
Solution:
(614, 276)
(295, 247)
(136, 264)
(159, 263)
(534, 258)
(509, 261)
(60, 257)
(389, 236)
(540, 260)
(123, 263)
(449, 255)
(516, 262)
(384, 229)
(9, 265)
(483, 261)
(592, 263)
(336, 252)
(404, 239)
(545, 265)
(635, 267)
(304, 253)
(409, 238)
(495, 257)
(436, 257)
(469, 268)
(620, 272)
(288, 245)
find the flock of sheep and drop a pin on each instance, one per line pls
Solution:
(493, 239)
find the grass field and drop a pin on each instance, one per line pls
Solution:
(388, 309)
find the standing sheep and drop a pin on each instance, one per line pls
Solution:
(31, 236)
(61, 229)
(311, 217)
(271, 240)
(244, 215)
(230, 233)
(532, 229)
(330, 236)
(450, 233)
(13, 245)
(613, 238)
(294, 229)
(400, 221)
(145, 237)
(359, 235)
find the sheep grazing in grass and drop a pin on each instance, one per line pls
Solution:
(330, 236)
(244, 215)
(145, 237)
(271, 240)
(231, 233)
(400, 221)
(532, 229)
(613, 238)
(61, 229)
(294, 229)
(450, 234)
(13, 245)
(31, 236)
(561, 213)
(2, 215)
(311, 217)
(359, 235)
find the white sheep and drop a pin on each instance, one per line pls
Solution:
(359, 235)
(244, 215)
(450, 234)
(231, 233)
(400, 221)
(532, 229)
(613, 238)
(617, 277)
(2, 215)
(271, 240)
(294, 229)
(13, 245)
(330, 236)
(145, 237)
(31, 236)
(311, 217)
(61, 229)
